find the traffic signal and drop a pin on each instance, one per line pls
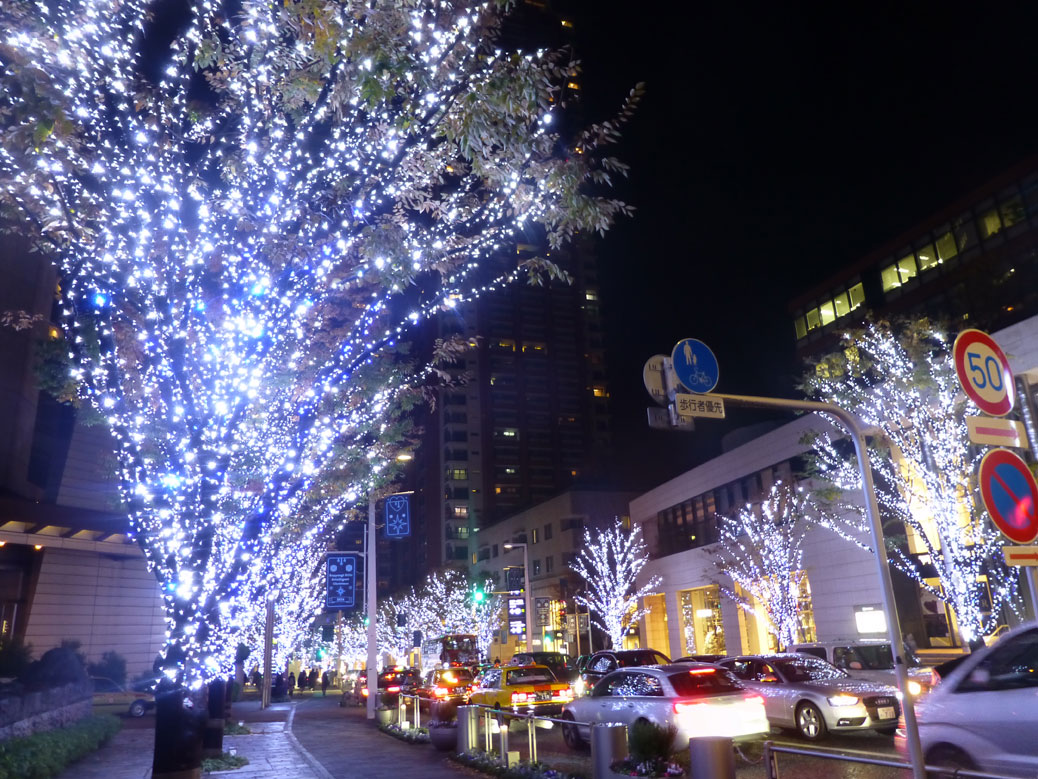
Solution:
(367, 621)
(478, 596)
(327, 632)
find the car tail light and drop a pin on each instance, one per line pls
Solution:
(440, 692)
(687, 708)
(566, 693)
(755, 699)
(393, 688)
(364, 691)
(700, 671)
(520, 697)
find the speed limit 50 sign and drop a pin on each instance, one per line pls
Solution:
(984, 372)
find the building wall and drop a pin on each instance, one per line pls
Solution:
(106, 602)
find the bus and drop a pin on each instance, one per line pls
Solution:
(453, 649)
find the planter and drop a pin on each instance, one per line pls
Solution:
(385, 716)
(444, 739)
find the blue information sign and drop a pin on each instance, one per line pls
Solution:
(398, 516)
(695, 365)
(341, 589)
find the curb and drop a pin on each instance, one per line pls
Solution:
(319, 770)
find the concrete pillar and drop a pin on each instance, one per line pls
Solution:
(711, 756)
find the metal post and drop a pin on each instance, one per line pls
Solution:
(608, 744)
(268, 649)
(338, 647)
(502, 737)
(417, 713)
(526, 590)
(590, 634)
(1028, 412)
(576, 623)
(468, 728)
(531, 734)
(770, 762)
(711, 756)
(372, 579)
(857, 435)
(488, 735)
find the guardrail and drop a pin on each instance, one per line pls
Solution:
(490, 714)
(771, 752)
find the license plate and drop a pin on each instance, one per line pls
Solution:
(885, 712)
(544, 696)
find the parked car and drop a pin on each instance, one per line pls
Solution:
(560, 664)
(984, 714)
(869, 659)
(447, 686)
(109, 696)
(696, 698)
(814, 696)
(392, 682)
(609, 660)
(527, 689)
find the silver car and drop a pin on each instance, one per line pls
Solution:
(984, 714)
(696, 698)
(814, 696)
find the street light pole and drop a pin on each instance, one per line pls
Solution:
(372, 577)
(526, 590)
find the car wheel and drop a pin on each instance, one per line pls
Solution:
(947, 756)
(810, 723)
(571, 733)
(137, 709)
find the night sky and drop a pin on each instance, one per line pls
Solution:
(775, 146)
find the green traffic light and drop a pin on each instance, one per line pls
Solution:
(478, 596)
(366, 621)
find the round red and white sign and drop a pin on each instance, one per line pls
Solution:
(1010, 495)
(984, 372)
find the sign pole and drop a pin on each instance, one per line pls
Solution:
(268, 646)
(1029, 412)
(372, 580)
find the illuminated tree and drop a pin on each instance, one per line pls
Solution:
(901, 380)
(246, 218)
(610, 563)
(761, 550)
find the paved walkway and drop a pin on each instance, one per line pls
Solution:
(309, 738)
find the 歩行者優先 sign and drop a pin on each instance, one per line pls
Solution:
(984, 372)
(341, 580)
(1010, 495)
(699, 406)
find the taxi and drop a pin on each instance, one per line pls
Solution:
(523, 689)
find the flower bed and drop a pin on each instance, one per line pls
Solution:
(489, 764)
(410, 735)
(653, 769)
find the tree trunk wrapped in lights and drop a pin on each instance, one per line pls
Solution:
(761, 550)
(246, 217)
(901, 379)
(610, 563)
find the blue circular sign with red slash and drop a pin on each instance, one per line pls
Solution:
(1010, 495)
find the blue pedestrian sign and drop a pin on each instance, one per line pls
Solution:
(398, 516)
(341, 581)
(695, 365)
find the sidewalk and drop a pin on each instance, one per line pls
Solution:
(308, 738)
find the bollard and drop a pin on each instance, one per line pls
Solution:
(468, 728)
(608, 744)
(711, 757)
(531, 735)
(503, 736)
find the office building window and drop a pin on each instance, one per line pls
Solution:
(534, 536)
(457, 474)
(547, 531)
(990, 223)
(549, 564)
(927, 257)
(461, 512)
(536, 567)
(493, 551)
(946, 248)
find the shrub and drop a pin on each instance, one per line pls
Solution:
(225, 762)
(112, 665)
(47, 754)
(15, 657)
(57, 667)
(647, 742)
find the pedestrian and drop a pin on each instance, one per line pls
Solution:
(291, 683)
(301, 681)
(257, 678)
(312, 681)
(497, 662)
(324, 683)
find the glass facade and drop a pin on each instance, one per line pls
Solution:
(702, 627)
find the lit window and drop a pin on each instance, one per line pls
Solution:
(600, 392)
(946, 248)
(989, 223)
(567, 23)
(573, 85)
(461, 511)
(510, 471)
(812, 320)
(906, 268)
(508, 432)
(841, 305)
(534, 536)
(800, 326)
(591, 295)
(825, 312)
(1012, 211)
(572, 473)
(857, 295)
(506, 343)
(534, 346)
(458, 474)
(927, 258)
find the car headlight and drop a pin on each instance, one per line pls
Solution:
(914, 688)
(842, 700)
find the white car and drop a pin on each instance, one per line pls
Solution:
(869, 659)
(698, 699)
(984, 714)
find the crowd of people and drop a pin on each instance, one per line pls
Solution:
(286, 685)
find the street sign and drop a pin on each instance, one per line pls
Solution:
(652, 377)
(516, 616)
(341, 580)
(1021, 555)
(992, 431)
(1010, 495)
(699, 406)
(695, 365)
(984, 372)
(668, 419)
(398, 516)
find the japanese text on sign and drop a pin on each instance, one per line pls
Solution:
(699, 406)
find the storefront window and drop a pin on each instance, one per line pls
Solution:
(702, 628)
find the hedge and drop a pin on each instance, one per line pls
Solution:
(47, 754)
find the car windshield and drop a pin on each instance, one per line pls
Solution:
(875, 657)
(806, 669)
(529, 676)
(703, 681)
(454, 676)
(640, 657)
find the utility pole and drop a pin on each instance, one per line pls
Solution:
(370, 569)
